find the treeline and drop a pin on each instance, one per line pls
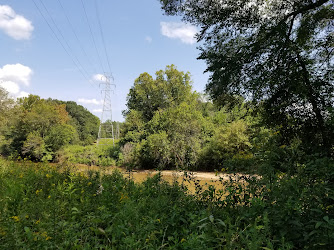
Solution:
(35, 128)
(168, 125)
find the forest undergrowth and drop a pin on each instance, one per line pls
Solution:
(43, 207)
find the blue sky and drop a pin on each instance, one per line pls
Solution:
(137, 36)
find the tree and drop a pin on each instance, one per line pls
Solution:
(181, 127)
(134, 127)
(170, 88)
(60, 135)
(86, 124)
(164, 120)
(38, 129)
(35, 148)
(6, 105)
(278, 52)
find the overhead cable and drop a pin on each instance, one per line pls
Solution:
(102, 35)
(63, 46)
(92, 35)
(76, 36)
(61, 34)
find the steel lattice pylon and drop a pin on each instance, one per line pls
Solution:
(106, 129)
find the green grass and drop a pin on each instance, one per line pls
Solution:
(42, 206)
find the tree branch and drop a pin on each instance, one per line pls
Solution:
(306, 8)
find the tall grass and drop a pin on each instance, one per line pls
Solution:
(43, 206)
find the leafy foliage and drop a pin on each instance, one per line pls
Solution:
(6, 104)
(85, 123)
(185, 131)
(42, 207)
(279, 52)
(37, 128)
(170, 88)
(102, 155)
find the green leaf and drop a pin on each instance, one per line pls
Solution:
(219, 221)
(203, 220)
(319, 223)
(313, 232)
(202, 226)
(326, 219)
(101, 230)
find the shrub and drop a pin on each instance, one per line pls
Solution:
(102, 155)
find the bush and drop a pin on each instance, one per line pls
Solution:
(42, 207)
(99, 155)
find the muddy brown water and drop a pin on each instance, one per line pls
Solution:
(204, 179)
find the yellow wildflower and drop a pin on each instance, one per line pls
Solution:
(38, 191)
(123, 197)
(2, 232)
(37, 222)
(48, 176)
(183, 240)
(15, 218)
(49, 196)
(89, 183)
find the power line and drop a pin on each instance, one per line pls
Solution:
(56, 36)
(61, 34)
(76, 36)
(91, 32)
(101, 31)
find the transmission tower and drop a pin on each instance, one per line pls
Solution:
(106, 129)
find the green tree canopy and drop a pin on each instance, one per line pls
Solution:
(38, 128)
(170, 88)
(163, 120)
(168, 125)
(279, 52)
(6, 103)
(86, 124)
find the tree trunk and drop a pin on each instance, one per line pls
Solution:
(312, 97)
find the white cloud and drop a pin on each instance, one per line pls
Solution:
(99, 78)
(17, 73)
(15, 26)
(148, 39)
(90, 101)
(23, 94)
(12, 75)
(11, 87)
(97, 110)
(182, 31)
